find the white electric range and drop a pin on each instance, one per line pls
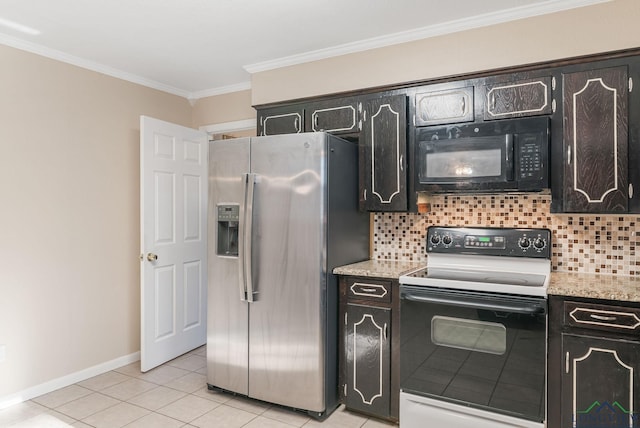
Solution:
(473, 329)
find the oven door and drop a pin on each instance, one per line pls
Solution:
(479, 350)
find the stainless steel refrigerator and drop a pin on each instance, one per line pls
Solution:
(283, 212)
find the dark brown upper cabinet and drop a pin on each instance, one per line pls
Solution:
(339, 116)
(527, 97)
(444, 105)
(281, 120)
(595, 140)
(383, 154)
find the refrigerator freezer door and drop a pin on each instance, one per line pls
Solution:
(227, 328)
(287, 333)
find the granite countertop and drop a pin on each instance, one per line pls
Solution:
(595, 286)
(378, 268)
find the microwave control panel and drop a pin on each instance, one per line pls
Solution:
(530, 156)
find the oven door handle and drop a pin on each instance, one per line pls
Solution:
(467, 302)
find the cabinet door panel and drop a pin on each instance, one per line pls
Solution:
(595, 136)
(516, 99)
(600, 382)
(336, 116)
(444, 106)
(383, 154)
(368, 359)
(275, 121)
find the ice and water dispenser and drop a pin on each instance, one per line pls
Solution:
(228, 217)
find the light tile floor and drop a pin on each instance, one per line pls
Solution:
(170, 396)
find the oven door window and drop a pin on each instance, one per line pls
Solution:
(472, 335)
(467, 160)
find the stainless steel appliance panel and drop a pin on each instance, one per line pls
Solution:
(286, 332)
(228, 315)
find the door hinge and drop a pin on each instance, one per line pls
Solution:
(553, 83)
(345, 318)
(553, 105)
(345, 389)
(566, 363)
(630, 84)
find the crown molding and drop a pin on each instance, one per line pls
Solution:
(119, 74)
(243, 86)
(89, 65)
(549, 6)
(485, 20)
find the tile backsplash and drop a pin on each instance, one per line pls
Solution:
(581, 243)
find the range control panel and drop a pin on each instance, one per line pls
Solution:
(512, 242)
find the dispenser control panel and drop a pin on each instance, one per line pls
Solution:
(228, 212)
(228, 217)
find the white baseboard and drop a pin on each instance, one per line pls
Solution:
(67, 380)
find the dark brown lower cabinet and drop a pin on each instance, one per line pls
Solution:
(600, 382)
(369, 365)
(367, 358)
(594, 351)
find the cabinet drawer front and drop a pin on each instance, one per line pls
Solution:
(617, 319)
(448, 106)
(365, 289)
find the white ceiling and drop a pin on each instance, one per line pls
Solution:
(197, 48)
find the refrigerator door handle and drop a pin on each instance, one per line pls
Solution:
(242, 283)
(248, 237)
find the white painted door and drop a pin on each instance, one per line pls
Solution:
(173, 211)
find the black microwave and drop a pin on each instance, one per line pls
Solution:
(503, 155)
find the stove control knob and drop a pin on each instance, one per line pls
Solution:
(524, 243)
(539, 243)
(435, 239)
(446, 240)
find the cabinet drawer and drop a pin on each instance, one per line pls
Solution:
(617, 319)
(369, 289)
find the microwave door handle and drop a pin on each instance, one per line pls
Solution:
(508, 157)
(518, 308)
